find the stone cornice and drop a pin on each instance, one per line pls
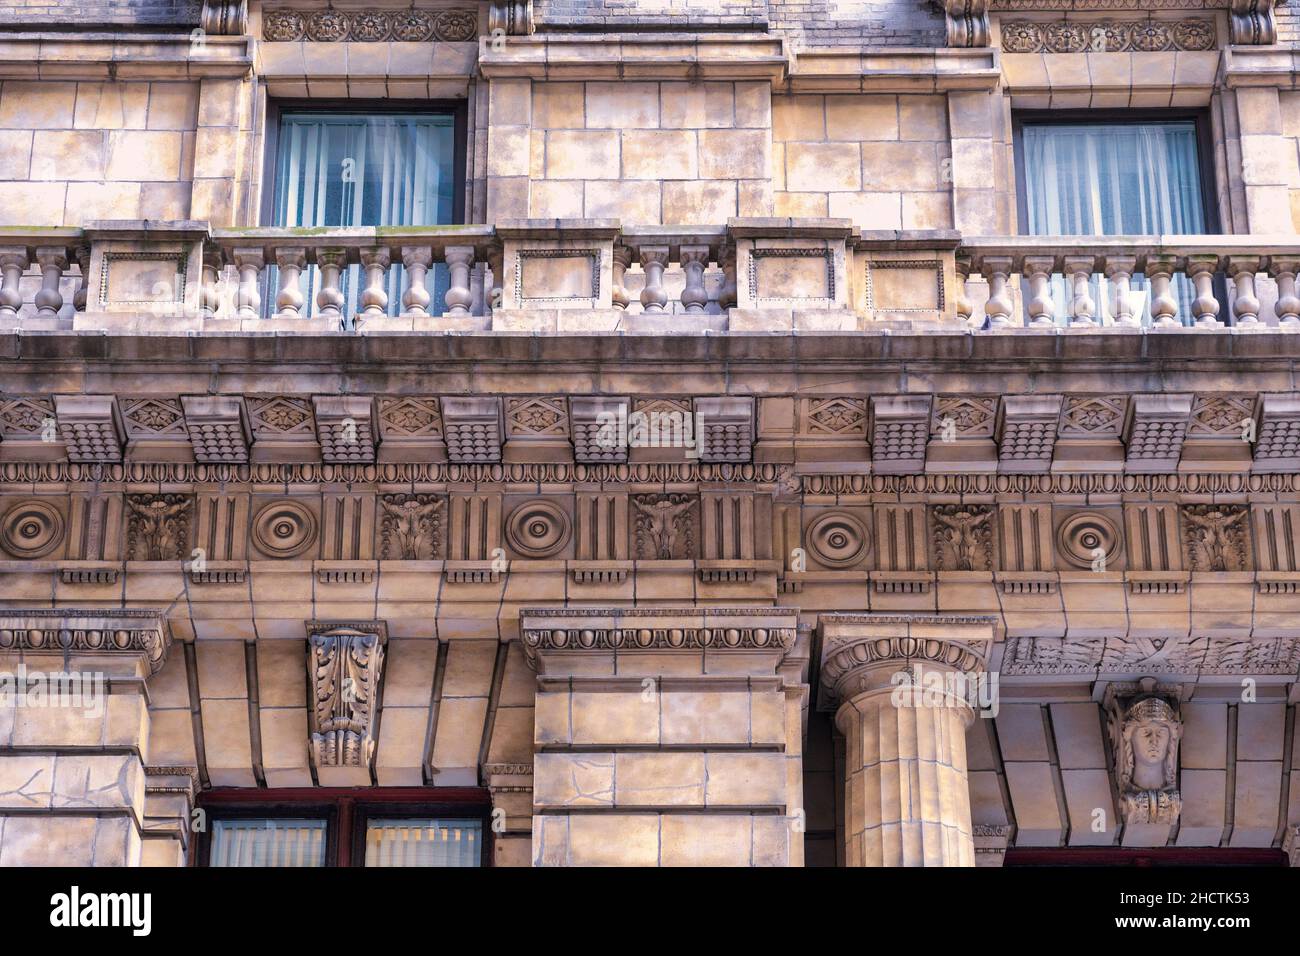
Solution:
(890, 70)
(116, 632)
(122, 56)
(1117, 351)
(636, 56)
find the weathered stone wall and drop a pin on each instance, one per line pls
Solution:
(646, 153)
(73, 152)
(878, 160)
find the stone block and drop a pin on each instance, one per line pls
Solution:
(824, 167)
(659, 154)
(706, 840)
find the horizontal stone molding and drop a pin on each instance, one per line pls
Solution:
(122, 56)
(656, 629)
(126, 632)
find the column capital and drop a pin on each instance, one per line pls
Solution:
(121, 633)
(862, 652)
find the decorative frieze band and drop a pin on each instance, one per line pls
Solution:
(1203, 655)
(1108, 36)
(643, 629)
(370, 26)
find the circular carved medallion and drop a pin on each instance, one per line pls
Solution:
(538, 529)
(838, 540)
(31, 529)
(1088, 537)
(284, 529)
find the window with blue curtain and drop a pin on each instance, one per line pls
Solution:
(1113, 179)
(357, 169)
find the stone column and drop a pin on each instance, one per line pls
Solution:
(904, 691)
(666, 737)
(74, 731)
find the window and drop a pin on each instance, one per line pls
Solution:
(381, 827)
(1137, 175)
(341, 168)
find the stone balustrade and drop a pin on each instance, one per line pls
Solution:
(381, 277)
(1160, 282)
(750, 275)
(42, 273)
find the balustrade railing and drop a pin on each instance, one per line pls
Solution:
(1160, 282)
(185, 276)
(337, 274)
(669, 269)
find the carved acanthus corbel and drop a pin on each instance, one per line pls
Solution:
(347, 660)
(967, 22)
(1145, 729)
(225, 18)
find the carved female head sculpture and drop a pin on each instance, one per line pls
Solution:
(1148, 759)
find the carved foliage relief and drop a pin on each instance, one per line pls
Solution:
(666, 526)
(158, 527)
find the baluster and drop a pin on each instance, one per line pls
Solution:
(291, 261)
(49, 299)
(1164, 306)
(329, 297)
(1042, 308)
(13, 263)
(963, 303)
(728, 294)
(416, 260)
(459, 297)
(1245, 304)
(1119, 271)
(1287, 306)
(80, 297)
(1205, 307)
(374, 299)
(1083, 309)
(654, 259)
(999, 305)
(248, 300)
(694, 260)
(622, 259)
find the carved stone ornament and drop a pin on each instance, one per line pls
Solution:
(158, 527)
(345, 666)
(115, 632)
(411, 527)
(967, 22)
(511, 17)
(1144, 734)
(1108, 36)
(225, 17)
(963, 537)
(370, 26)
(1216, 537)
(665, 526)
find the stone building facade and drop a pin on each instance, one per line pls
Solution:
(735, 432)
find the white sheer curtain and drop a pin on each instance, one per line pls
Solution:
(1113, 180)
(273, 843)
(358, 170)
(424, 843)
